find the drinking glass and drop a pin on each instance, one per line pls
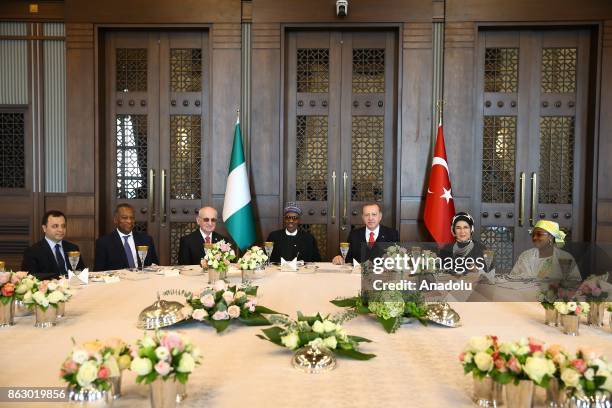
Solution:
(268, 247)
(489, 256)
(73, 258)
(344, 248)
(142, 254)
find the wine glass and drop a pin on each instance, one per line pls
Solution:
(489, 255)
(344, 248)
(73, 258)
(268, 247)
(2, 266)
(142, 254)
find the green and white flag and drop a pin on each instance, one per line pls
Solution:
(237, 209)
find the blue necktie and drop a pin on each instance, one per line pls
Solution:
(128, 252)
(61, 264)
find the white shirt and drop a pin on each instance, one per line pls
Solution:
(130, 243)
(52, 244)
(204, 235)
(367, 233)
(292, 234)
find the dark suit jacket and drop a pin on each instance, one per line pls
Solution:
(358, 248)
(303, 245)
(40, 261)
(110, 254)
(191, 247)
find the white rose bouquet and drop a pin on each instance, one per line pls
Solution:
(90, 365)
(253, 258)
(524, 360)
(479, 356)
(219, 256)
(586, 374)
(315, 331)
(221, 304)
(572, 308)
(166, 355)
(43, 294)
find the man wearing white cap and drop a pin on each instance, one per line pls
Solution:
(290, 242)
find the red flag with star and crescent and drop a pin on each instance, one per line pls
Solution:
(439, 203)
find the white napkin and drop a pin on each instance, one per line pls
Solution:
(356, 264)
(82, 277)
(171, 272)
(289, 265)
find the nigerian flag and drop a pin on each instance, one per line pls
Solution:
(237, 210)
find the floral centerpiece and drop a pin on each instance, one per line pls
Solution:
(164, 355)
(253, 258)
(586, 375)
(25, 285)
(389, 307)
(90, 365)
(8, 284)
(221, 304)
(316, 331)
(43, 294)
(591, 289)
(218, 256)
(120, 351)
(572, 308)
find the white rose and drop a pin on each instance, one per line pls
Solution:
(219, 285)
(141, 366)
(508, 347)
(291, 340)
(318, 343)
(318, 327)
(328, 326)
(607, 385)
(52, 286)
(570, 377)
(208, 300)
(561, 307)
(571, 306)
(113, 366)
(27, 298)
(148, 342)
(239, 294)
(585, 307)
(79, 356)
(40, 299)
(341, 333)
(479, 343)
(187, 311)
(87, 373)
(162, 353)
(589, 374)
(468, 358)
(199, 314)
(56, 297)
(330, 342)
(186, 364)
(483, 361)
(233, 311)
(228, 297)
(537, 368)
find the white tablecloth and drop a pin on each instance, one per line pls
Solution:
(416, 366)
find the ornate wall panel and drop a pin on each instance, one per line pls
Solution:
(131, 156)
(311, 158)
(499, 159)
(185, 157)
(12, 150)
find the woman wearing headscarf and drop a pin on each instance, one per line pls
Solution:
(545, 260)
(462, 228)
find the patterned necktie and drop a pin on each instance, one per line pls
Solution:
(128, 251)
(371, 240)
(207, 240)
(61, 264)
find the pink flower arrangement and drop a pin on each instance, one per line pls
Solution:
(9, 281)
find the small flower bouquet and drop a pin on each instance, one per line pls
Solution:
(586, 375)
(25, 285)
(591, 289)
(315, 331)
(166, 355)
(549, 295)
(572, 308)
(44, 294)
(120, 351)
(389, 308)
(221, 304)
(219, 256)
(8, 284)
(524, 360)
(253, 258)
(90, 365)
(479, 357)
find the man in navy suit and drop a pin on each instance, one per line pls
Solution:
(117, 250)
(363, 241)
(48, 258)
(191, 247)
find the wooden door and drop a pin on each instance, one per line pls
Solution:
(157, 122)
(533, 98)
(340, 98)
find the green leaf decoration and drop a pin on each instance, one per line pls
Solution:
(348, 302)
(255, 320)
(265, 310)
(272, 334)
(220, 325)
(390, 324)
(359, 339)
(354, 354)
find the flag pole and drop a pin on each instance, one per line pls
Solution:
(440, 109)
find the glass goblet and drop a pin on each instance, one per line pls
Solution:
(73, 258)
(268, 247)
(142, 251)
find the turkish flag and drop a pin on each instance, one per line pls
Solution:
(439, 203)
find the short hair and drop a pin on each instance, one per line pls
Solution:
(123, 205)
(372, 203)
(51, 213)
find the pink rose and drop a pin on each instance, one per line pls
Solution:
(208, 300)
(578, 309)
(8, 289)
(219, 285)
(514, 365)
(579, 365)
(163, 368)
(103, 372)
(233, 311)
(535, 345)
(224, 247)
(4, 277)
(587, 353)
(69, 366)
(500, 364)
(171, 340)
(462, 356)
(220, 315)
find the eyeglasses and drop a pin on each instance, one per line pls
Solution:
(539, 234)
(292, 217)
(208, 219)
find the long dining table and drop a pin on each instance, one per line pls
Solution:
(417, 366)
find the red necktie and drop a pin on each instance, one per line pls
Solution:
(207, 240)
(371, 240)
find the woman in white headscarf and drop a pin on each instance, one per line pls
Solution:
(546, 260)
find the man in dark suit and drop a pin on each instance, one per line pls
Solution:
(191, 247)
(117, 250)
(48, 258)
(290, 242)
(363, 242)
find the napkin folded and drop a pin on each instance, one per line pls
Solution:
(356, 264)
(82, 277)
(289, 265)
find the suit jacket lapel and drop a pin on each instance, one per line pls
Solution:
(119, 247)
(50, 256)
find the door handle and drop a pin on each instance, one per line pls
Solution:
(534, 197)
(162, 207)
(521, 218)
(152, 195)
(333, 212)
(345, 198)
